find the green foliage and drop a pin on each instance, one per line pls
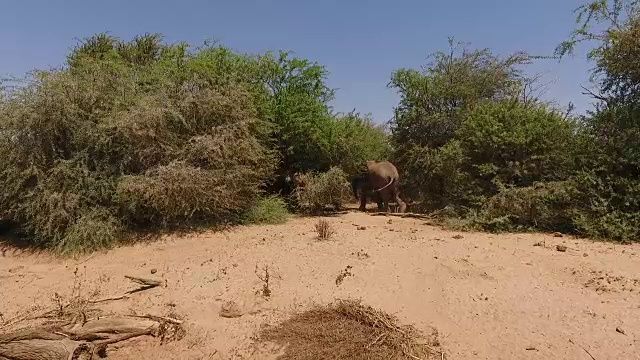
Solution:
(498, 145)
(317, 190)
(138, 134)
(511, 164)
(512, 144)
(608, 178)
(545, 206)
(268, 210)
(130, 135)
(298, 108)
(432, 100)
(356, 139)
(461, 133)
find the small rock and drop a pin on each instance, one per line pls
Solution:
(585, 255)
(557, 234)
(389, 221)
(362, 228)
(16, 269)
(458, 237)
(153, 271)
(561, 248)
(618, 329)
(230, 309)
(435, 257)
(531, 348)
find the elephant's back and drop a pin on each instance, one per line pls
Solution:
(389, 169)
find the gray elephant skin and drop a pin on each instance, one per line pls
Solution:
(362, 191)
(381, 182)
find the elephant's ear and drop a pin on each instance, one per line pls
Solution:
(370, 164)
(354, 185)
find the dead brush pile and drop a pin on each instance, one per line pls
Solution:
(131, 135)
(349, 330)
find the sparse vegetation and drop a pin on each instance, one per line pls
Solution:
(265, 277)
(268, 210)
(343, 274)
(324, 229)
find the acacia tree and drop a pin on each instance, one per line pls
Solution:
(432, 100)
(609, 182)
(433, 105)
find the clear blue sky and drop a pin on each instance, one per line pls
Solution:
(360, 42)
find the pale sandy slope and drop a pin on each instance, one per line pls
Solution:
(488, 296)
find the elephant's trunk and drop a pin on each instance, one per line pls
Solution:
(354, 186)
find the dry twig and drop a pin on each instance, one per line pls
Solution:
(582, 347)
(404, 215)
(146, 283)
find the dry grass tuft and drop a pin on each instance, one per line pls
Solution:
(324, 229)
(349, 330)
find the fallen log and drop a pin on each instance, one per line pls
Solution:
(39, 349)
(82, 341)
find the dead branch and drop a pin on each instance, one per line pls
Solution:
(146, 283)
(124, 337)
(113, 325)
(583, 348)
(404, 215)
(593, 95)
(15, 320)
(113, 298)
(160, 318)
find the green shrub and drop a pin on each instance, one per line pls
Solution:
(497, 145)
(94, 230)
(131, 135)
(514, 144)
(317, 190)
(268, 210)
(356, 139)
(608, 205)
(545, 206)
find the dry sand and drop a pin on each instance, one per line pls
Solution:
(488, 296)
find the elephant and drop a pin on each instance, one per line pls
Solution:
(281, 183)
(382, 179)
(362, 190)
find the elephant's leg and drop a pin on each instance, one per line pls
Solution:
(384, 201)
(379, 201)
(363, 201)
(402, 205)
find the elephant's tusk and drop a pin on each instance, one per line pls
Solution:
(382, 188)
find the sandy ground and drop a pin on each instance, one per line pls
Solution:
(488, 296)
